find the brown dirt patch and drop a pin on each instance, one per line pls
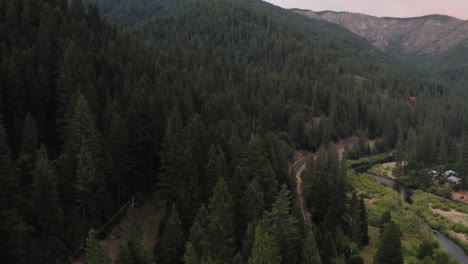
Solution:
(461, 237)
(299, 154)
(347, 141)
(461, 196)
(452, 215)
(390, 165)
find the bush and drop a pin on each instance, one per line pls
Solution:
(445, 208)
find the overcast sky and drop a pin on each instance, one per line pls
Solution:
(391, 8)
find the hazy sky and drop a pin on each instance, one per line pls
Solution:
(392, 8)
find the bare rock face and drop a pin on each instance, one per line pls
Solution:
(428, 35)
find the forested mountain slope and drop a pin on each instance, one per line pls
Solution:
(201, 102)
(435, 43)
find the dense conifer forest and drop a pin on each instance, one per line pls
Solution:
(200, 106)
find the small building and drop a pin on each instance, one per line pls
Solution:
(454, 179)
(449, 173)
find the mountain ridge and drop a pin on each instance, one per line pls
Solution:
(429, 35)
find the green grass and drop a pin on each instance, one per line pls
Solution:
(413, 227)
(380, 158)
(384, 172)
(420, 206)
(368, 252)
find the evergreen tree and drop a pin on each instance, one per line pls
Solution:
(95, 254)
(82, 128)
(171, 247)
(283, 226)
(385, 219)
(118, 141)
(363, 227)
(197, 231)
(265, 249)
(257, 165)
(354, 219)
(124, 255)
(9, 189)
(310, 253)
(190, 256)
(327, 247)
(48, 209)
(216, 168)
(86, 175)
(219, 242)
(389, 250)
(173, 145)
(28, 150)
(251, 206)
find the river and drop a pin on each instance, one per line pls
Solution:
(445, 242)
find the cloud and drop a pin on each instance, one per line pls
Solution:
(392, 8)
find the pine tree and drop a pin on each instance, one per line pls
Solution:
(9, 189)
(197, 231)
(385, 219)
(199, 141)
(327, 247)
(389, 250)
(464, 159)
(28, 150)
(251, 205)
(354, 221)
(95, 254)
(363, 227)
(171, 247)
(190, 256)
(173, 145)
(310, 253)
(118, 141)
(86, 175)
(82, 126)
(265, 249)
(190, 184)
(283, 226)
(219, 242)
(48, 209)
(216, 167)
(442, 157)
(257, 165)
(124, 255)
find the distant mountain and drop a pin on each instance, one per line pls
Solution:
(427, 35)
(435, 43)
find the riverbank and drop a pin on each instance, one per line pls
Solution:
(448, 218)
(380, 199)
(453, 233)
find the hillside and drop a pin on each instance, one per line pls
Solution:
(433, 43)
(429, 35)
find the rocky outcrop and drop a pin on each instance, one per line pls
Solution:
(428, 35)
